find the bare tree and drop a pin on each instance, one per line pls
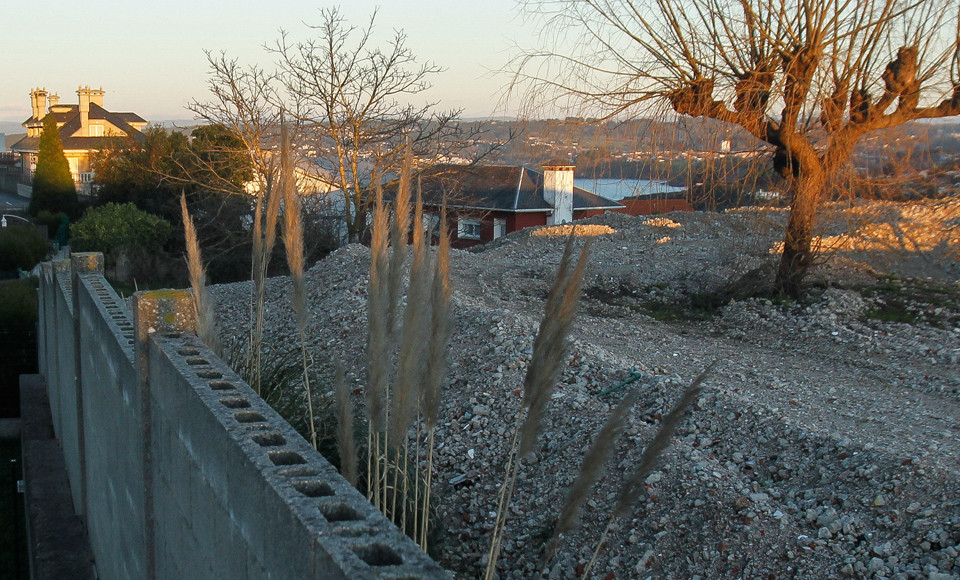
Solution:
(245, 100)
(351, 100)
(808, 77)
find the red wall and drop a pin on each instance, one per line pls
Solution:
(518, 221)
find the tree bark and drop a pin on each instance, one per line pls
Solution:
(798, 239)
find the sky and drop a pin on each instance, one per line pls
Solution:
(149, 56)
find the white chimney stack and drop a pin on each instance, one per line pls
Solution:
(558, 192)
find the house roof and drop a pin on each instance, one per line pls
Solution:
(507, 188)
(69, 122)
(64, 113)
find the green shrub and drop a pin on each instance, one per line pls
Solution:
(115, 227)
(53, 187)
(18, 304)
(21, 247)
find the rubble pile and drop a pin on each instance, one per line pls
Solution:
(826, 443)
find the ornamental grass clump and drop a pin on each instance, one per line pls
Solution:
(549, 353)
(634, 485)
(293, 242)
(406, 359)
(202, 301)
(264, 232)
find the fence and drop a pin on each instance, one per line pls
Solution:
(177, 467)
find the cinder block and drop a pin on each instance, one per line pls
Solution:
(175, 435)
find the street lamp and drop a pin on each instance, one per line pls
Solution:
(3, 219)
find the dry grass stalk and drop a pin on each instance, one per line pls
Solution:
(634, 485)
(597, 456)
(414, 334)
(378, 351)
(202, 302)
(414, 337)
(410, 369)
(293, 242)
(398, 238)
(436, 362)
(377, 306)
(253, 355)
(345, 443)
(264, 237)
(549, 352)
(440, 328)
(550, 346)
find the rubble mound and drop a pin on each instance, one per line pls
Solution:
(825, 445)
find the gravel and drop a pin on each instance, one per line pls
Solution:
(826, 444)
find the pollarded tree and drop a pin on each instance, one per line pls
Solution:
(53, 187)
(808, 77)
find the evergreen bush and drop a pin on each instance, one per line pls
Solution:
(53, 187)
(21, 247)
(114, 227)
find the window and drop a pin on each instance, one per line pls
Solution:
(431, 225)
(499, 228)
(468, 229)
(96, 130)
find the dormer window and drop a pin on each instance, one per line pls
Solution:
(96, 130)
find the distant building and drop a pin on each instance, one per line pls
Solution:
(84, 128)
(485, 202)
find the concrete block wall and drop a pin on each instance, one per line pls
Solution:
(113, 422)
(178, 468)
(66, 416)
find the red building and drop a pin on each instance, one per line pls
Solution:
(486, 202)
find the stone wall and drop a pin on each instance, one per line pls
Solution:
(177, 467)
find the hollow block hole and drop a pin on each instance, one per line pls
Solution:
(171, 335)
(220, 385)
(284, 457)
(300, 472)
(313, 488)
(340, 513)
(210, 375)
(188, 352)
(268, 439)
(248, 416)
(378, 555)
(196, 361)
(235, 403)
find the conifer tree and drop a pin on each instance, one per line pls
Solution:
(53, 188)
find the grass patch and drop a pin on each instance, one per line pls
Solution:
(892, 313)
(913, 301)
(653, 302)
(694, 308)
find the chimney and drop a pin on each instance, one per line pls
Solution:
(558, 192)
(96, 96)
(54, 100)
(83, 94)
(38, 103)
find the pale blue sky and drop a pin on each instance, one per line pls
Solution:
(149, 59)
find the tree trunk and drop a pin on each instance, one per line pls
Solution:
(798, 238)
